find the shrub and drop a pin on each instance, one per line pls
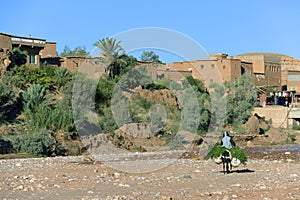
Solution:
(7, 98)
(176, 142)
(154, 86)
(37, 144)
(24, 75)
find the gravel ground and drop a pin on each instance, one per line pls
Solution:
(78, 178)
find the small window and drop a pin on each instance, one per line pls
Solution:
(202, 66)
(32, 59)
(212, 66)
(224, 66)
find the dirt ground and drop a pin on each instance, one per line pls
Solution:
(163, 176)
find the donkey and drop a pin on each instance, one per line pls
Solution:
(226, 160)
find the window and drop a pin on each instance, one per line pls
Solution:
(202, 66)
(224, 66)
(32, 59)
(212, 66)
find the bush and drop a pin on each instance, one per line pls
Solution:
(37, 144)
(5, 146)
(176, 142)
(154, 86)
(24, 75)
(7, 98)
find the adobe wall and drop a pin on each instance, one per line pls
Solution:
(49, 50)
(257, 60)
(277, 114)
(5, 42)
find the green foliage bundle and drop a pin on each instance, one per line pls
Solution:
(215, 151)
(236, 152)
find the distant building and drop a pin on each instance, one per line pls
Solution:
(290, 73)
(36, 48)
(218, 68)
(266, 68)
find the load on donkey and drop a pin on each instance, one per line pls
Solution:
(227, 153)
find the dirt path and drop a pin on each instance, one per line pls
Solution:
(73, 178)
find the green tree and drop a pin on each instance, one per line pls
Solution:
(233, 102)
(111, 50)
(36, 107)
(20, 56)
(7, 97)
(77, 51)
(150, 56)
(240, 97)
(62, 76)
(123, 64)
(218, 106)
(204, 102)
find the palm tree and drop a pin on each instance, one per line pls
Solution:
(111, 50)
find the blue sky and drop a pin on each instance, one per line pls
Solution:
(232, 26)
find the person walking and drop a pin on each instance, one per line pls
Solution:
(227, 141)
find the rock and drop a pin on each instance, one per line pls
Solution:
(236, 185)
(250, 144)
(19, 165)
(187, 176)
(252, 126)
(117, 175)
(20, 187)
(293, 175)
(290, 160)
(277, 136)
(124, 185)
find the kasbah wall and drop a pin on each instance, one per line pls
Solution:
(276, 114)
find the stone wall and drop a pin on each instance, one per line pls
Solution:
(277, 115)
(5, 41)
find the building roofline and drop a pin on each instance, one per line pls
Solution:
(265, 54)
(208, 59)
(6, 34)
(23, 37)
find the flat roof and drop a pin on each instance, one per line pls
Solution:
(22, 37)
